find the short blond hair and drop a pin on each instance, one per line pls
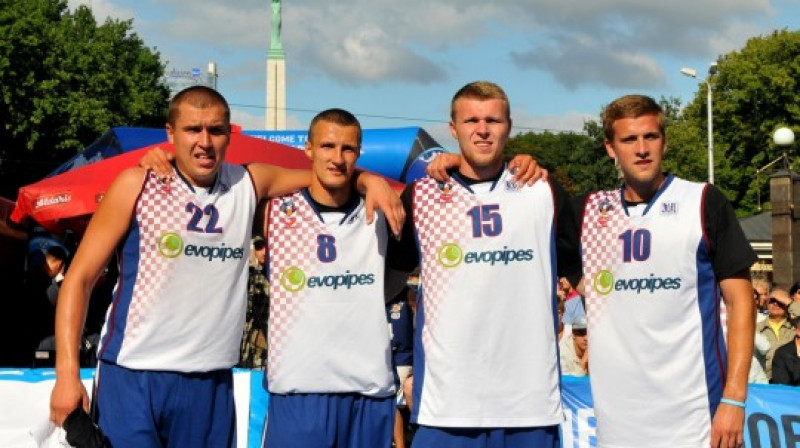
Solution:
(480, 90)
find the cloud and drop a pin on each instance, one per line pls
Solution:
(607, 43)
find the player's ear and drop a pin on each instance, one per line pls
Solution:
(309, 150)
(610, 149)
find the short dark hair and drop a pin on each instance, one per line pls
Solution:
(631, 106)
(198, 96)
(793, 290)
(337, 116)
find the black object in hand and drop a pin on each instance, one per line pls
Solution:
(82, 432)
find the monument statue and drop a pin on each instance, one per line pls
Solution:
(275, 39)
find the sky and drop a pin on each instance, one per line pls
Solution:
(397, 64)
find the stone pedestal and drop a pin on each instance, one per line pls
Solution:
(784, 192)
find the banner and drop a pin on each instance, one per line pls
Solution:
(772, 415)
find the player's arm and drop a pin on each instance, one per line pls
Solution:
(727, 426)
(272, 181)
(106, 228)
(378, 194)
(525, 168)
(568, 255)
(403, 254)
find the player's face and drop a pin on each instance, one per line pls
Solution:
(482, 128)
(639, 147)
(333, 150)
(201, 137)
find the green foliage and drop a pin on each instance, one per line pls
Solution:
(580, 162)
(577, 161)
(64, 80)
(755, 92)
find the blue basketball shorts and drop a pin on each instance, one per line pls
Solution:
(329, 421)
(158, 409)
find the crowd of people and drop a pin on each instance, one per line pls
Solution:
(446, 315)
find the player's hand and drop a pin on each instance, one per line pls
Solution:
(526, 170)
(438, 167)
(160, 162)
(380, 195)
(67, 395)
(727, 427)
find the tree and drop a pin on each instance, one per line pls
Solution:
(577, 161)
(755, 91)
(63, 81)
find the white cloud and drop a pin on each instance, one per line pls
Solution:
(602, 42)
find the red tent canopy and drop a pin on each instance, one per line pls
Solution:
(66, 201)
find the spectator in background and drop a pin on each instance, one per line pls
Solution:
(574, 352)
(413, 290)
(776, 327)
(786, 363)
(561, 326)
(574, 310)
(761, 290)
(43, 278)
(761, 347)
(401, 329)
(254, 341)
(794, 294)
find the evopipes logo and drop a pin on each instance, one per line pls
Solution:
(451, 255)
(294, 279)
(604, 282)
(171, 245)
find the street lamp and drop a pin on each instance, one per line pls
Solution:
(712, 70)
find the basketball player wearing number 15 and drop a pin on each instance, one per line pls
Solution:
(485, 361)
(656, 255)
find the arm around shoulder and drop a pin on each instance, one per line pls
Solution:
(272, 181)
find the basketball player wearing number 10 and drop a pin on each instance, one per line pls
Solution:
(656, 255)
(490, 251)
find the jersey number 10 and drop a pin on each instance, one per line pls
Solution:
(635, 245)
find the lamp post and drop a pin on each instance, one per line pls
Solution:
(712, 70)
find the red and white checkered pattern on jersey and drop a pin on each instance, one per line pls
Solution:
(439, 218)
(292, 243)
(604, 220)
(156, 214)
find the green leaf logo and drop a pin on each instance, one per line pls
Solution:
(170, 245)
(450, 255)
(293, 279)
(603, 282)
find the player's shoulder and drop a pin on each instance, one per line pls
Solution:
(130, 179)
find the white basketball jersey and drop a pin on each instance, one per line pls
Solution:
(327, 324)
(179, 303)
(656, 353)
(486, 315)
